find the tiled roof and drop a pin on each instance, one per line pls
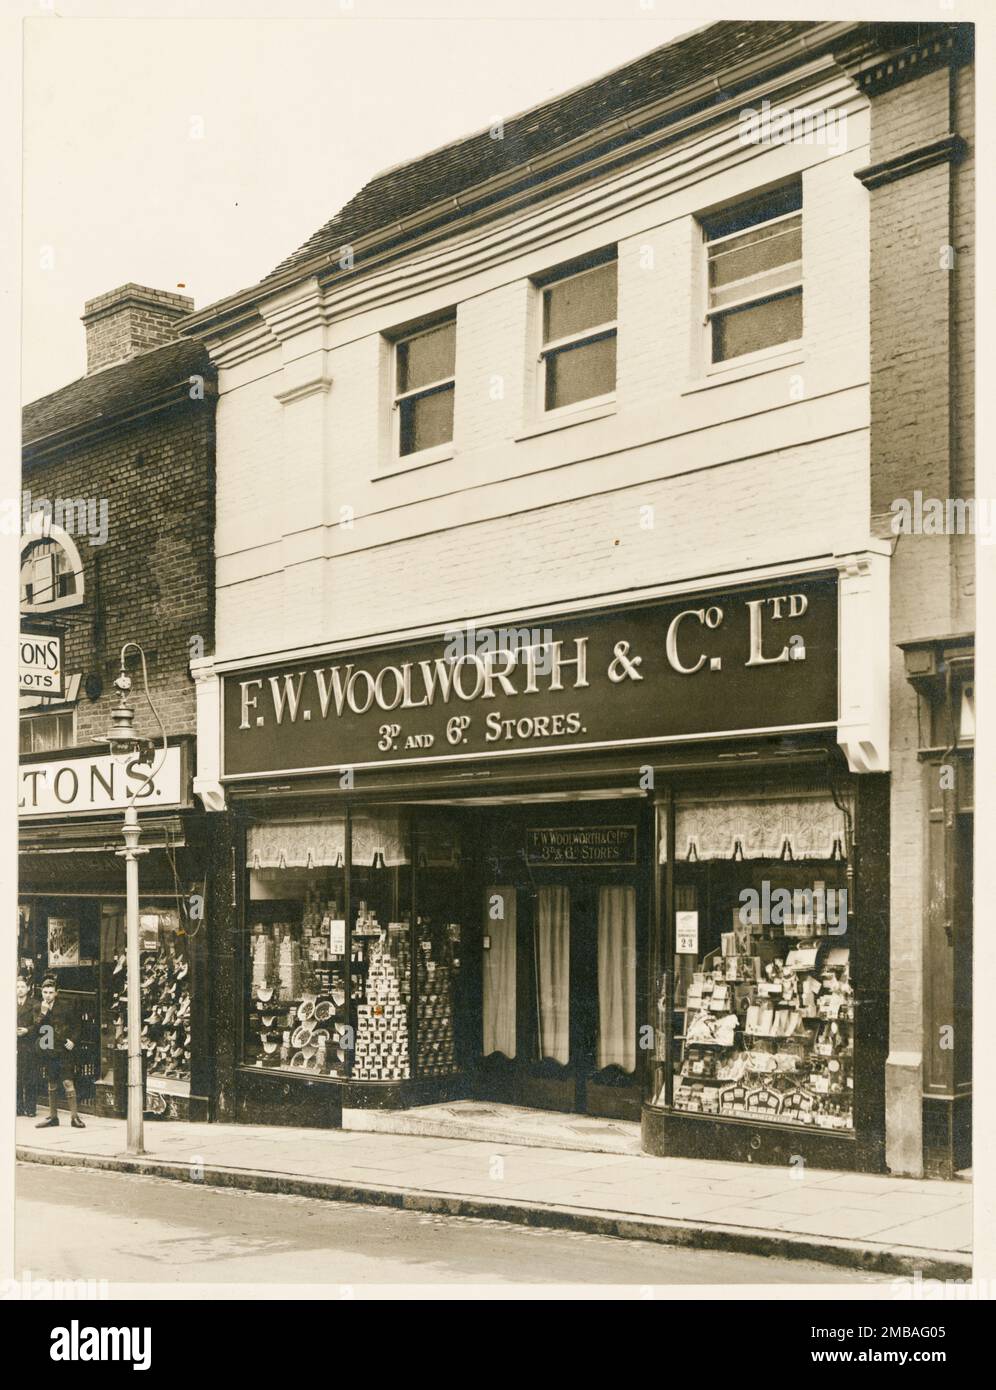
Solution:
(400, 192)
(114, 391)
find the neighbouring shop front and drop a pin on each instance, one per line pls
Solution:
(614, 863)
(72, 922)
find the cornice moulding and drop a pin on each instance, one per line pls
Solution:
(708, 148)
(949, 149)
(937, 50)
(809, 48)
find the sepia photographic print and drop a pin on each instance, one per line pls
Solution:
(499, 555)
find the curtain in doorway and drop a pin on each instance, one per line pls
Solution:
(553, 964)
(617, 978)
(499, 971)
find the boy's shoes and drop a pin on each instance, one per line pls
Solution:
(47, 1124)
(76, 1122)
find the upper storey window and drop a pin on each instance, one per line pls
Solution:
(425, 386)
(50, 575)
(579, 336)
(754, 260)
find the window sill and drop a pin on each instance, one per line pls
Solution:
(277, 1074)
(564, 420)
(758, 365)
(56, 605)
(411, 462)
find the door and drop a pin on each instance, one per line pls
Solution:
(582, 996)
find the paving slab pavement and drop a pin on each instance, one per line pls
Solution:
(892, 1225)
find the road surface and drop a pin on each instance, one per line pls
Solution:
(77, 1223)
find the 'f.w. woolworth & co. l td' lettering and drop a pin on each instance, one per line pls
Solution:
(704, 664)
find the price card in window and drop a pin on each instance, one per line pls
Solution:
(148, 926)
(337, 936)
(686, 933)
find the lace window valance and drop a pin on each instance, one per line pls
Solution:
(297, 844)
(778, 827)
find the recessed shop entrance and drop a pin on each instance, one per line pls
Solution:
(582, 996)
(562, 939)
(422, 953)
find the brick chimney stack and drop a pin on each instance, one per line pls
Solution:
(130, 320)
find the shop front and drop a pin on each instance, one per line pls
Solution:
(72, 922)
(629, 863)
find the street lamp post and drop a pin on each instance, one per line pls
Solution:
(125, 746)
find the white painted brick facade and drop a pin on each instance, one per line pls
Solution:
(765, 470)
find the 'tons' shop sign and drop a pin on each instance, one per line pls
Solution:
(71, 785)
(725, 662)
(39, 661)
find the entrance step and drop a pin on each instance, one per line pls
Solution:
(501, 1124)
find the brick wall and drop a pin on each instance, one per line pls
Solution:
(152, 581)
(922, 417)
(963, 355)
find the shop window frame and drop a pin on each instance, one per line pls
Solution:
(862, 1147)
(241, 875)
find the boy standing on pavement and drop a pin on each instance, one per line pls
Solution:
(56, 1032)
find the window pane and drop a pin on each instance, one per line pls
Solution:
(427, 421)
(748, 214)
(37, 576)
(46, 573)
(755, 251)
(765, 286)
(578, 374)
(26, 735)
(582, 302)
(46, 732)
(65, 582)
(764, 1010)
(427, 358)
(757, 326)
(297, 977)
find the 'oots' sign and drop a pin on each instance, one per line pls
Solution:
(39, 662)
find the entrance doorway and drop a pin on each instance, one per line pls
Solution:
(567, 945)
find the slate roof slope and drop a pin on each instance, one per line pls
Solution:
(115, 390)
(406, 189)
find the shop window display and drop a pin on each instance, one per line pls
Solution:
(764, 1015)
(297, 1009)
(165, 980)
(381, 965)
(438, 931)
(309, 1009)
(297, 1017)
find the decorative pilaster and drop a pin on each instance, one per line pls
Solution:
(207, 776)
